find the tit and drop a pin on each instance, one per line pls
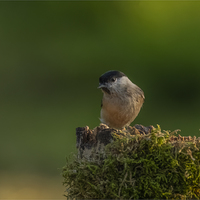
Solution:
(122, 99)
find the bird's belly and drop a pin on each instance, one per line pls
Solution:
(117, 116)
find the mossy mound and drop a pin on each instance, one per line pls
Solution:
(158, 165)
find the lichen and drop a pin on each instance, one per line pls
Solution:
(158, 165)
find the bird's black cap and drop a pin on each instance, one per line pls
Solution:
(108, 76)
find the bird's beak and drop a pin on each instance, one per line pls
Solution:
(104, 88)
(101, 86)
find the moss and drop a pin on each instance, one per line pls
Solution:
(153, 166)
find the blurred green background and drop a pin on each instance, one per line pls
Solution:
(51, 56)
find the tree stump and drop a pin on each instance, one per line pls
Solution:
(96, 139)
(137, 163)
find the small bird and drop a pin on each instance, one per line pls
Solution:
(122, 99)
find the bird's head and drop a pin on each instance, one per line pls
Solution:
(112, 82)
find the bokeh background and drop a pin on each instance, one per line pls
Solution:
(51, 56)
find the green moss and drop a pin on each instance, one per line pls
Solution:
(152, 166)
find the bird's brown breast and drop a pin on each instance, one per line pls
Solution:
(119, 114)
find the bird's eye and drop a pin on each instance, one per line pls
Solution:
(113, 79)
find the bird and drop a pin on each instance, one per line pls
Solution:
(122, 99)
